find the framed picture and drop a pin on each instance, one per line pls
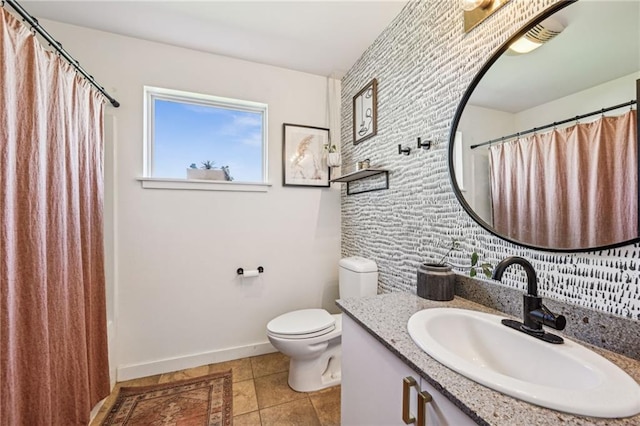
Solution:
(303, 156)
(365, 112)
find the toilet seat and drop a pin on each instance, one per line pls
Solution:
(302, 324)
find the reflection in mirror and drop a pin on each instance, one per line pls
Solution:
(533, 174)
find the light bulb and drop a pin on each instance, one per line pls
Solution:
(537, 36)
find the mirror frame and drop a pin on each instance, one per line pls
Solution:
(456, 120)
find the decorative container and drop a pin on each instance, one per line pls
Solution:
(205, 174)
(364, 164)
(333, 159)
(436, 282)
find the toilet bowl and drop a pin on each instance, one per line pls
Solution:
(312, 337)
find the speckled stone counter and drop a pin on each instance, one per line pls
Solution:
(385, 317)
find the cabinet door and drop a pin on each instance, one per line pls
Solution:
(371, 380)
(441, 411)
(372, 385)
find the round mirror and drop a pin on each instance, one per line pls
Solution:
(543, 149)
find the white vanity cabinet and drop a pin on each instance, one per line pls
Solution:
(372, 386)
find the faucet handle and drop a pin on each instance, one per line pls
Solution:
(548, 318)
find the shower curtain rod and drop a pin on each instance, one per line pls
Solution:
(58, 46)
(555, 123)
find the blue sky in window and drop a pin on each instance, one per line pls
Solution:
(189, 133)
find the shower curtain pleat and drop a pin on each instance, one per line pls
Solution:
(569, 188)
(53, 354)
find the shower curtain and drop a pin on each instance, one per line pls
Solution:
(575, 187)
(53, 343)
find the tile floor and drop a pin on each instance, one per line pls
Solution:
(261, 395)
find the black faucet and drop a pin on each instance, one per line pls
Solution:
(534, 313)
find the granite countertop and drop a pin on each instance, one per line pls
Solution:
(385, 317)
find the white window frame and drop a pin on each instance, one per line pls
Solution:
(148, 181)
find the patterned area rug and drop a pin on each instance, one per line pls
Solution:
(203, 401)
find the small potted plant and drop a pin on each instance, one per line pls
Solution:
(436, 281)
(333, 156)
(227, 174)
(208, 171)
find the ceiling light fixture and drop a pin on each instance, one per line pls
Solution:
(537, 36)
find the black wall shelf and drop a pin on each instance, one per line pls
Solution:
(363, 174)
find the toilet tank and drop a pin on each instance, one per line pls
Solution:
(358, 277)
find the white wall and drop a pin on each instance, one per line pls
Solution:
(604, 95)
(179, 302)
(479, 125)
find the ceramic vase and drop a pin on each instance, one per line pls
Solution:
(436, 282)
(333, 159)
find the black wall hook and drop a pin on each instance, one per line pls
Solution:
(425, 145)
(405, 151)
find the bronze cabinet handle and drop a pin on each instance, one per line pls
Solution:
(423, 399)
(407, 383)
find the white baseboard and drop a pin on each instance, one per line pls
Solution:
(94, 411)
(134, 371)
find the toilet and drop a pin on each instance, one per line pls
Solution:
(312, 337)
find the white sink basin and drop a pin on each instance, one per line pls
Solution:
(566, 377)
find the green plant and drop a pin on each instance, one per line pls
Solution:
(455, 245)
(330, 148)
(485, 267)
(227, 174)
(208, 165)
(475, 266)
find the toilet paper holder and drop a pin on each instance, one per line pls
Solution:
(240, 271)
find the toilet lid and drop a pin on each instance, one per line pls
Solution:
(305, 321)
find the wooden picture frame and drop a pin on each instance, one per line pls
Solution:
(365, 112)
(303, 161)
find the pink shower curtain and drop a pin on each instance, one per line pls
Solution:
(569, 188)
(53, 354)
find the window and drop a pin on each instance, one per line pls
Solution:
(194, 131)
